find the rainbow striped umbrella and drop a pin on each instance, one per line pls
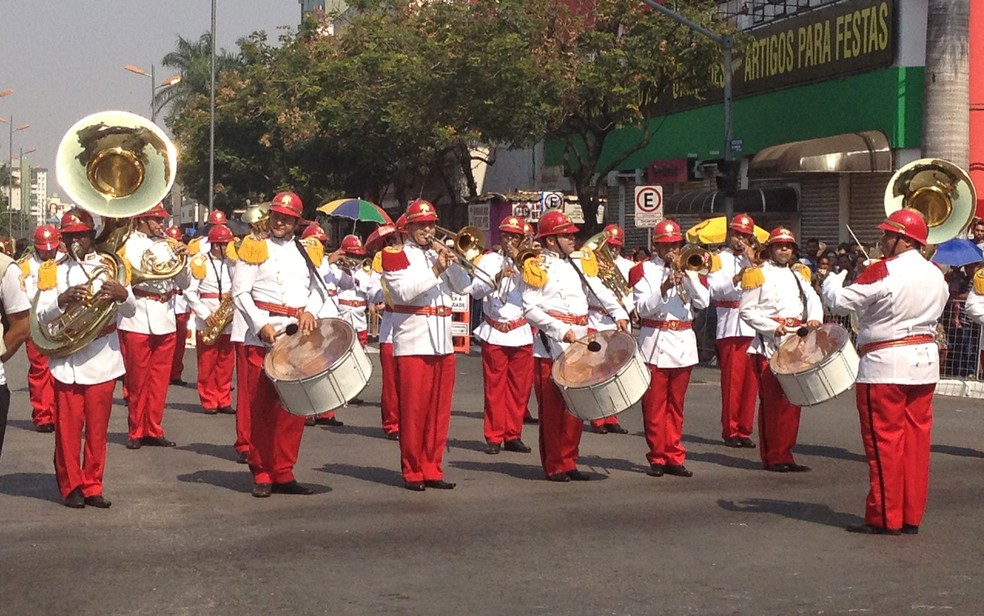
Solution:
(356, 209)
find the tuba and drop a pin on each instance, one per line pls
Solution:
(608, 271)
(940, 190)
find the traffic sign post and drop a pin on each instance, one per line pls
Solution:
(648, 206)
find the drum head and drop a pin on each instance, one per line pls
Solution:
(297, 357)
(798, 354)
(579, 366)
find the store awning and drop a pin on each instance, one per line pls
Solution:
(750, 200)
(863, 152)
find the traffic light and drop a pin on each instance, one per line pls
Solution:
(727, 181)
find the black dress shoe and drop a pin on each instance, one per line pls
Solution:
(98, 501)
(210, 411)
(559, 477)
(328, 421)
(616, 428)
(732, 441)
(747, 442)
(529, 419)
(75, 499)
(178, 382)
(262, 490)
(45, 428)
(492, 448)
(678, 470)
(777, 468)
(439, 484)
(393, 436)
(599, 429)
(799, 468)
(867, 529)
(310, 421)
(242, 457)
(577, 475)
(910, 529)
(291, 487)
(516, 445)
(226, 410)
(357, 401)
(133, 443)
(157, 441)
(656, 470)
(414, 486)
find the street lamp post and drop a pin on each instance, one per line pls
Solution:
(154, 87)
(10, 172)
(20, 213)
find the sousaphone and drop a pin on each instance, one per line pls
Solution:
(940, 190)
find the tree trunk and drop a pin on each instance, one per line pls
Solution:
(946, 103)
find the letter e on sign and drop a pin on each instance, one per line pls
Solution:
(648, 206)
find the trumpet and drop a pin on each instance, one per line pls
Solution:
(691, 259)
(349, 263)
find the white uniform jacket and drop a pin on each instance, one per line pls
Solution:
(100, 360)
(205, 295)
(415, 287)
(152, 316)
(283, 279)
(353, 302)
(974, 306)
(726, 295)
(667, 345)
(779, 297)
(335, 280)
(598, 318)
(564, 293)
(894, 298)
(12, 298)
(502, 304)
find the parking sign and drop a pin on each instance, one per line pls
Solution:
(648, 206)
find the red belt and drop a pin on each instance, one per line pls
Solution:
(907, 341)
(213, 295)
(157, 297)
(426, 311)
(505, 326)
(570, 319)
(673, 326)
(727, 304)
(355, 303)
(280, 309)
(789, 322)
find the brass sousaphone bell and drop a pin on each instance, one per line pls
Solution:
(940, 190)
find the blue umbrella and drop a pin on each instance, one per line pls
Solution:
(957, 252)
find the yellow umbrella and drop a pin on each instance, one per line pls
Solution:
(714, 231)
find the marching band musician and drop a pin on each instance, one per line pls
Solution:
(507, 343)
(200, 244)
(353, 301)
(599, 320)
(528, 418)
(739, 387)
(421, 276)
(182, 314)
(898, 300)
(85, 379)
(39, 267)
(974, 306)
(15, 309)
(382, 237)
(148, 335)
(274, 286)
(666, 298)
(555, 300)
(777, 299)
(210, 288)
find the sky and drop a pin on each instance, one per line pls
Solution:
(64, 58)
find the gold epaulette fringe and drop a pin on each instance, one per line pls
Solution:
(48, 275)
(253, 250)
(753, 278)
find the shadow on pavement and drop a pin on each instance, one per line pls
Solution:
(237, 481)
(829, 452)
(469, 445)
(510, 469)
(222, 452)
(965, 452)
(21, 424)
(592, 461)
(367, 431)
(723, 460)
(373, 474)
(469, 414)
(41, 486)
(807, 512)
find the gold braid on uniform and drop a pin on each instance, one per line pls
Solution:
(253, 250)
(198, 267)
(979, 282)
(231, 252)
(589, 262)
(377, 263)
(803, 271)
(314, 249)
(753, 278)
(715, 263)
(533, 273)
(48, 275)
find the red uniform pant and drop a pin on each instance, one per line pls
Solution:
(243, 412)
(40, 386)
(275, 435)
(662, 414)
(739, 387)
(508, 378)
(425, 388)
(896, 421)
(78, 409)
(181, 339)
(779, 419)
(560, 432)
(389, 397)
(146, 380)
(215, 364)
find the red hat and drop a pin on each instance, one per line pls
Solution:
(907, 222)
(421, 210)
(513, 224)
(378, 237)
(527, 228)
(667, 231)
(352, 245)
(46, 237)
(219, 234)
(742, 223)
(554, 222)
(314, 230)
(616, 237)
(288, 204)
(76, 220)
(157, 211)
(401, 224)
(781, 235)
(217, 217)
(174, 233)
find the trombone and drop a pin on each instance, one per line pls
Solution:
(466, 246)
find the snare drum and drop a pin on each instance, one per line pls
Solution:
(814, 368)
(319, 371)
(603, 383)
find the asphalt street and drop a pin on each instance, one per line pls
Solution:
(184, 536)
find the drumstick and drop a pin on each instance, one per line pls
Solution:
(290, 330)
(858, 242)
(594, 346)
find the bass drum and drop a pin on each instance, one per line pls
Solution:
(319, 371)
(814, 368)
(602, 383)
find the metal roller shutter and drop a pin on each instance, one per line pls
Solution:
(820, 208)
(867, 208)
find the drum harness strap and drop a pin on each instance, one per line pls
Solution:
(313, 271)
(802, 294)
